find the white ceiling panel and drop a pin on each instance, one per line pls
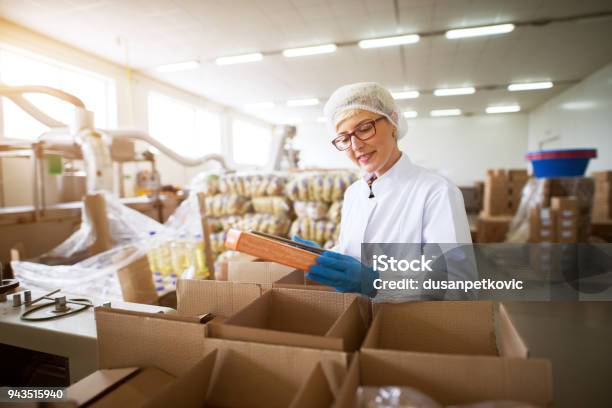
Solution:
(158, 32)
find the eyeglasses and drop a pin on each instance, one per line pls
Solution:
(364, 131)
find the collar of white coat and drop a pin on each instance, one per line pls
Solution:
(392, 177)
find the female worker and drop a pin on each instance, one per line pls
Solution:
(395, 201)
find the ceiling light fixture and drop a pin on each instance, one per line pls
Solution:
(530, 86)
(179, 66)
(479, 31)
(239, 59)
(389, 41)
(411, 114)
(503, 109)
(455, 91)
(303, 102)
(314, 50)
(405, 95)
(445, 112)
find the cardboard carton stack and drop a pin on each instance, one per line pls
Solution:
(557, 223)
(602, 199)
(502, 191)
(502, 196)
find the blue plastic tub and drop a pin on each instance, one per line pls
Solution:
(561, 163)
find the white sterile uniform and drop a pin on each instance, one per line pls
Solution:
(410, 205)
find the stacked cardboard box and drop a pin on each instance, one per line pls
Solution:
(555, 230)
(502, 191)
(557, 223)
(501, 199)
(602, 199)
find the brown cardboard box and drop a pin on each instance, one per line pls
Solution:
(434, 327)
(265, 380)
(257, 272)
(297, 280)
(221, 298)
(303, 318)
(518, 175)
(492, 228)
(452, 351)
(603, 176)
(228, 373)
(542, 225)
(450, 380)
(110, 388)
(565, 210)
(502, 191)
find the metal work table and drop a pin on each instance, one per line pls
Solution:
(73, 337)
(576, 338)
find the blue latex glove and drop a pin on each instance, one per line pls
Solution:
(305, 241)
(344, 273)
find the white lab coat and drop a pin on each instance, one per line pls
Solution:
(410, 205)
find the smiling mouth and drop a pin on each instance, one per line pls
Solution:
(365, 158)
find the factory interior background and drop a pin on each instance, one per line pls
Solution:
(244, 83)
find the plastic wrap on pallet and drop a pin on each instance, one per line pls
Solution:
(125, 226)
(538, 193)
(95, 276)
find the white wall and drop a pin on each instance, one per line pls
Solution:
(581, 116)
(461, 148)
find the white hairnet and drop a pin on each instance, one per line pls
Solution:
(368, 96)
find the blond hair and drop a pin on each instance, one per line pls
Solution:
(344, 115)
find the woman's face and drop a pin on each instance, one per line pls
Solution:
(376, 154)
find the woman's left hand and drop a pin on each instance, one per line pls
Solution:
(344, 273)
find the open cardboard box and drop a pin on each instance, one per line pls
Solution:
(257, 272)
(278, 275)
(451, 380)
(297, 280)
(452, 351)
(158, 360)
(453, 327)
(221, 298)
(303, 318)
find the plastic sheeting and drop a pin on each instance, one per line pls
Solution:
(125, 226)
(95, 276)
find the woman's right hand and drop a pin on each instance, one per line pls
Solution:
(299, 240)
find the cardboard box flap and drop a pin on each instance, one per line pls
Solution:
(257, 272)
(352, 323)
(459, 327)
(315, 392)
(134, 391)
(293, 310)
(297, 280)
(197, 297)
(97, 383)
(127, 339)
(190, 388)
(261, 375)
(445, 377)
(345, 397)
(509, 341)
